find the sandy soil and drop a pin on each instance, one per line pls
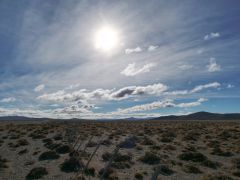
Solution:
(169, 150)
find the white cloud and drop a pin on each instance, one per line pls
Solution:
(132, 70)
(160, 105)
(152, 48)
(8, 100)
(192, 104)
(213, 66)
(104, 94)
(134, 50)
(205, 86)
(194, 90)
(39, 88)
(212, 35)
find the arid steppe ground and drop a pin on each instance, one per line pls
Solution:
(205, 150)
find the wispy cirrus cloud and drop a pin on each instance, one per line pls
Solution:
(133, 70)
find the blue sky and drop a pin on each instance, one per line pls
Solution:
(170, 57)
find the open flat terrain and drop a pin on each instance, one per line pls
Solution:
(205, 150)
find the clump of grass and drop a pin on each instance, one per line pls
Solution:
(24, 151)
(107, 174)
(164, 170)
(22, 142)
(58, 137)
(138, 176)
(219, 152)
(71, 165)
(236, 163)
(63, 149)
(236, 173)
(3, 163)
(37, 173)
(216, 177)
(191, 169)
(210, 164)
(192, 156)
(48, 155)
(147, 141)
(118, 157)
(37, 135)
(89, 172)
(150, 158)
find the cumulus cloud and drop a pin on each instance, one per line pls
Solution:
(213, 66)
(104, 94)
(155, 89)
(134, 50)
(132, 70)
(212, 35)
(39, 88)
(161, 104)
(152, 48)
(8, 100)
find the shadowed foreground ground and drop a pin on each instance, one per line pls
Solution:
(179, 150)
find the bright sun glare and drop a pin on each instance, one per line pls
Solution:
(106, 38)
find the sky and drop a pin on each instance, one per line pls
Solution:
(155, 58)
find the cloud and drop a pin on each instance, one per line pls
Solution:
(134, 50)
(104, 94)
(127, 92)
(132, 70)
(212, 35)
(191, 104)
(194, 90)
(185, 66)
(8, 100)
(205, 86)
(73, 109)
(161, 104)
(213, 66)
(39, 88)
(152, 48)
(229, 86)
(155, 89)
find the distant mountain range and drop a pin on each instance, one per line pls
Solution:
(194, 116)
(202, 116)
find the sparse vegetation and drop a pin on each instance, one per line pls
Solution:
(172, 148)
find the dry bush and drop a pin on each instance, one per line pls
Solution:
(37, 173)
(150, 158)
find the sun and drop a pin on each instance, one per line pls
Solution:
(106, 38)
